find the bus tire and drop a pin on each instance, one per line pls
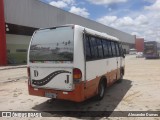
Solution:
(101, 89)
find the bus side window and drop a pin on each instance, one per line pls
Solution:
(105, 48)
(88, 49)
(94, 50)
(110, 49)
(99, 46)
(117, 49)
(121, 50)
(113, 49)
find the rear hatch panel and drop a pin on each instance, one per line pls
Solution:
(52, 78)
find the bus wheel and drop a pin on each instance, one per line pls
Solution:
(101, 90)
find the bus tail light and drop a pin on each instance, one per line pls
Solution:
(77, 75)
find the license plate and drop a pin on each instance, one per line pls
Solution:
(50, 95)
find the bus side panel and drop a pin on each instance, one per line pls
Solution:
(101, 67)
(78, 51)
(95, 70)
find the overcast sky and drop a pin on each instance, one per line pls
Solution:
(137, 17)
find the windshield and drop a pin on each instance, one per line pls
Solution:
(52, 45)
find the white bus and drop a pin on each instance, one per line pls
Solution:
(73, 63)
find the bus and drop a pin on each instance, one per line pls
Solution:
(73, 63)
(151, 49)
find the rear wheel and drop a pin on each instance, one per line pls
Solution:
(101, 90)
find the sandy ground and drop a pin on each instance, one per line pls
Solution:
(139, 91)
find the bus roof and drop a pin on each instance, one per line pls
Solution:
(87, 30)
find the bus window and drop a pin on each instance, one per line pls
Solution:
(121, 50)
(94, 50)
(100, 50)
(110, 49)
(117, 49)
(51, 45)
(105, 48)
(113, 49)
(88, 49)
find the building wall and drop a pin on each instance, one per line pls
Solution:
(126, 47)
(139, 44)
(21, 15)
(34, 13)
(17, 46)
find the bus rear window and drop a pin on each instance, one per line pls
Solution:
(52, 45)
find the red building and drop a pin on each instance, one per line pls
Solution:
(3, 54)
(139, 44)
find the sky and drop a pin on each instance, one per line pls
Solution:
(136, 17)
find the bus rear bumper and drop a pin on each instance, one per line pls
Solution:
(77, 95)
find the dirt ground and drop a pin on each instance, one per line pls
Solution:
(139, 91)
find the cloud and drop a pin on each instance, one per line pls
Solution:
(155, 6)
(59, 4)
(79, 11)
(71, 6)
(107, 20)
(141, 20)
(106, 2)
(69, 1)
(143, 23)
(125, 21)
(133, 25)
(62, 3)
(136, 33)
(153, 31)
(149, 32)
